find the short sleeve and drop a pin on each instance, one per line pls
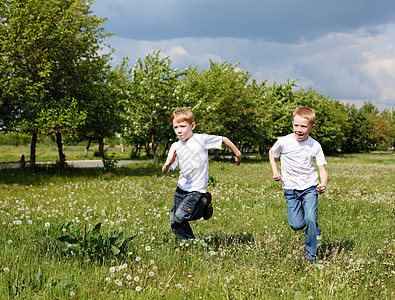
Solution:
(277, 149)
(212, 141)
(320, 157)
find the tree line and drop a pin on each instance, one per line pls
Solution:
(56, 79)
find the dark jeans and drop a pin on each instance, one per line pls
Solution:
(187, 206)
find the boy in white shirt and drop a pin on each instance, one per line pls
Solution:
(297, 152)
(190, 153)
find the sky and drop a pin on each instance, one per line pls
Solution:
(341, 48)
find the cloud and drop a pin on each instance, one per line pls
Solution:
(380, 69)
(341, 48)
(282, 21)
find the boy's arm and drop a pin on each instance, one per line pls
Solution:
(324, 179)
(273, 164)
(228, 143)
(166, 167)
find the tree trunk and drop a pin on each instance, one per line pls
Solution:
(138, 150)
(216, 153)
(33, 149)
(59, 142)
(101, 150)
(166, 147)
(147, 149)
(88, 146)
(154, 156)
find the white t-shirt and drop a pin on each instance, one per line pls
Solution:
(192, 158)
(297, 161)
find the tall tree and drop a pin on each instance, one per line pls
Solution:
(221, 102)
(49, 51)
(153, 96)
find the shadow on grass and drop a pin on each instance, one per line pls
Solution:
(330, 248)
(217, 240)
(53, 173)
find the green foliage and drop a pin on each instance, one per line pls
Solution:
(221, 103)
(153, 95)
(92, 243)
(109, 162)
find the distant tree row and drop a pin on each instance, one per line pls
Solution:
(56, 79)
(226, 101)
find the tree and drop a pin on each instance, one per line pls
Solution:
(152, 97)
(221, 102)
(49, 49)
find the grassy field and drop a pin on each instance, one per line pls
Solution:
(49, 153)
(52, 248)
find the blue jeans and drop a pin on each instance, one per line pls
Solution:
(187, 206)
(302, 213)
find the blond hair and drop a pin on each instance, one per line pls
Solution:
(305, 112)
(182, 114)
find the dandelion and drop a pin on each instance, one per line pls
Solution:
(379, 251)
(118, 282)
(136, 278)
(151, 274)
(137, 258)
(47, 224)
(6, 269)
(147, 248)
(129, 277)
(138, 288)
(30, 222)
(9, 241)
(112, 269)
(151, 261)
(108, 279)
(71, 294)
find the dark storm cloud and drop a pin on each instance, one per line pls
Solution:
(283, 21)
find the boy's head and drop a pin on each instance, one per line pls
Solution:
(183, 123)
(181, 115)
(305, 112)
(303, 122)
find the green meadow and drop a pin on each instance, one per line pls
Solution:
(88, 234)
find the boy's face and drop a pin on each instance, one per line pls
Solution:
(302, 128)
(183, 130)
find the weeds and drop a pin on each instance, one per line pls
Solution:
(67, 233)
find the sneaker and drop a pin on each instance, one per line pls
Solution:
(208, 207)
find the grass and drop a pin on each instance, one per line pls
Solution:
(49, 153)
(245, 251)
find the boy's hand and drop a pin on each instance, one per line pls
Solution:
(277, 176)
(321, 188)
(173, 158)
(238, 160)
